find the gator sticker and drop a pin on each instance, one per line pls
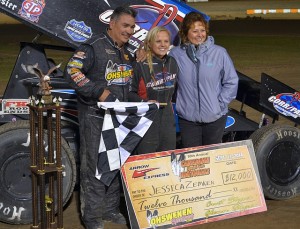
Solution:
(78, 31)
(32, 9)
(287, 104)
(119, 74)
(14, 106)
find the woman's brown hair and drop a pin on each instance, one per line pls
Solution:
(188, 22)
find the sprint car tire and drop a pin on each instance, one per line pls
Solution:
(15, 174)
(277, 150)
(256, 135)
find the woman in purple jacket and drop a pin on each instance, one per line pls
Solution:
(207, 83)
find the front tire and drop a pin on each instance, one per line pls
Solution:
(15, 174)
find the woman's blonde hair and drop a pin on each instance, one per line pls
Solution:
(149, 40)
(188, 22)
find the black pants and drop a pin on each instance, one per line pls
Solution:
(96, 199)
(161, 135)
(198, 134)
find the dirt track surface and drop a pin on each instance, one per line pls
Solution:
(280, 214)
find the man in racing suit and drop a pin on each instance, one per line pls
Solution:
(100, 71)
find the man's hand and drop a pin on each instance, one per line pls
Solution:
(107, 96)
(140, 54)
(152, 101)
(104, 95)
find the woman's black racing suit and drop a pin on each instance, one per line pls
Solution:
(158, 86)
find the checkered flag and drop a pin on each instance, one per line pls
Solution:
(124, 126)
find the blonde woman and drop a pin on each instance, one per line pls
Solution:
(154, 80)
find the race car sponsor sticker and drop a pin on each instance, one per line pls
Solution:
(229, 121)
(287, 104)
(14, 106)
(32, 10)
(78, 31)
(7, 4)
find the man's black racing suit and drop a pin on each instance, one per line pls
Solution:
(96, 66)
(158, 85)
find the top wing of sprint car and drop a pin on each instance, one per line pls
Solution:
(75, 22)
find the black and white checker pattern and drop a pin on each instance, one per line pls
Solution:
(125, 124)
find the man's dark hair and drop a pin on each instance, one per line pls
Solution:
(123, 10)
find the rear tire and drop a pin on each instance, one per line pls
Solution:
(15, 174)
(277, 149)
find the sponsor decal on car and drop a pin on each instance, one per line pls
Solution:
(7, 4)
(229, 121)
(78, 31)
(148, 17)
(14, 106)
(32, 9)
(287, 104)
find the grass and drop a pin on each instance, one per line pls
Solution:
(9, 48)
(252, 54)
(246, 51)
(278, 56)
(253, 51)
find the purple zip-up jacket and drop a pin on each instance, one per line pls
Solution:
(207, 83)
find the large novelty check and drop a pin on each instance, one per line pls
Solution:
(192, 186)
